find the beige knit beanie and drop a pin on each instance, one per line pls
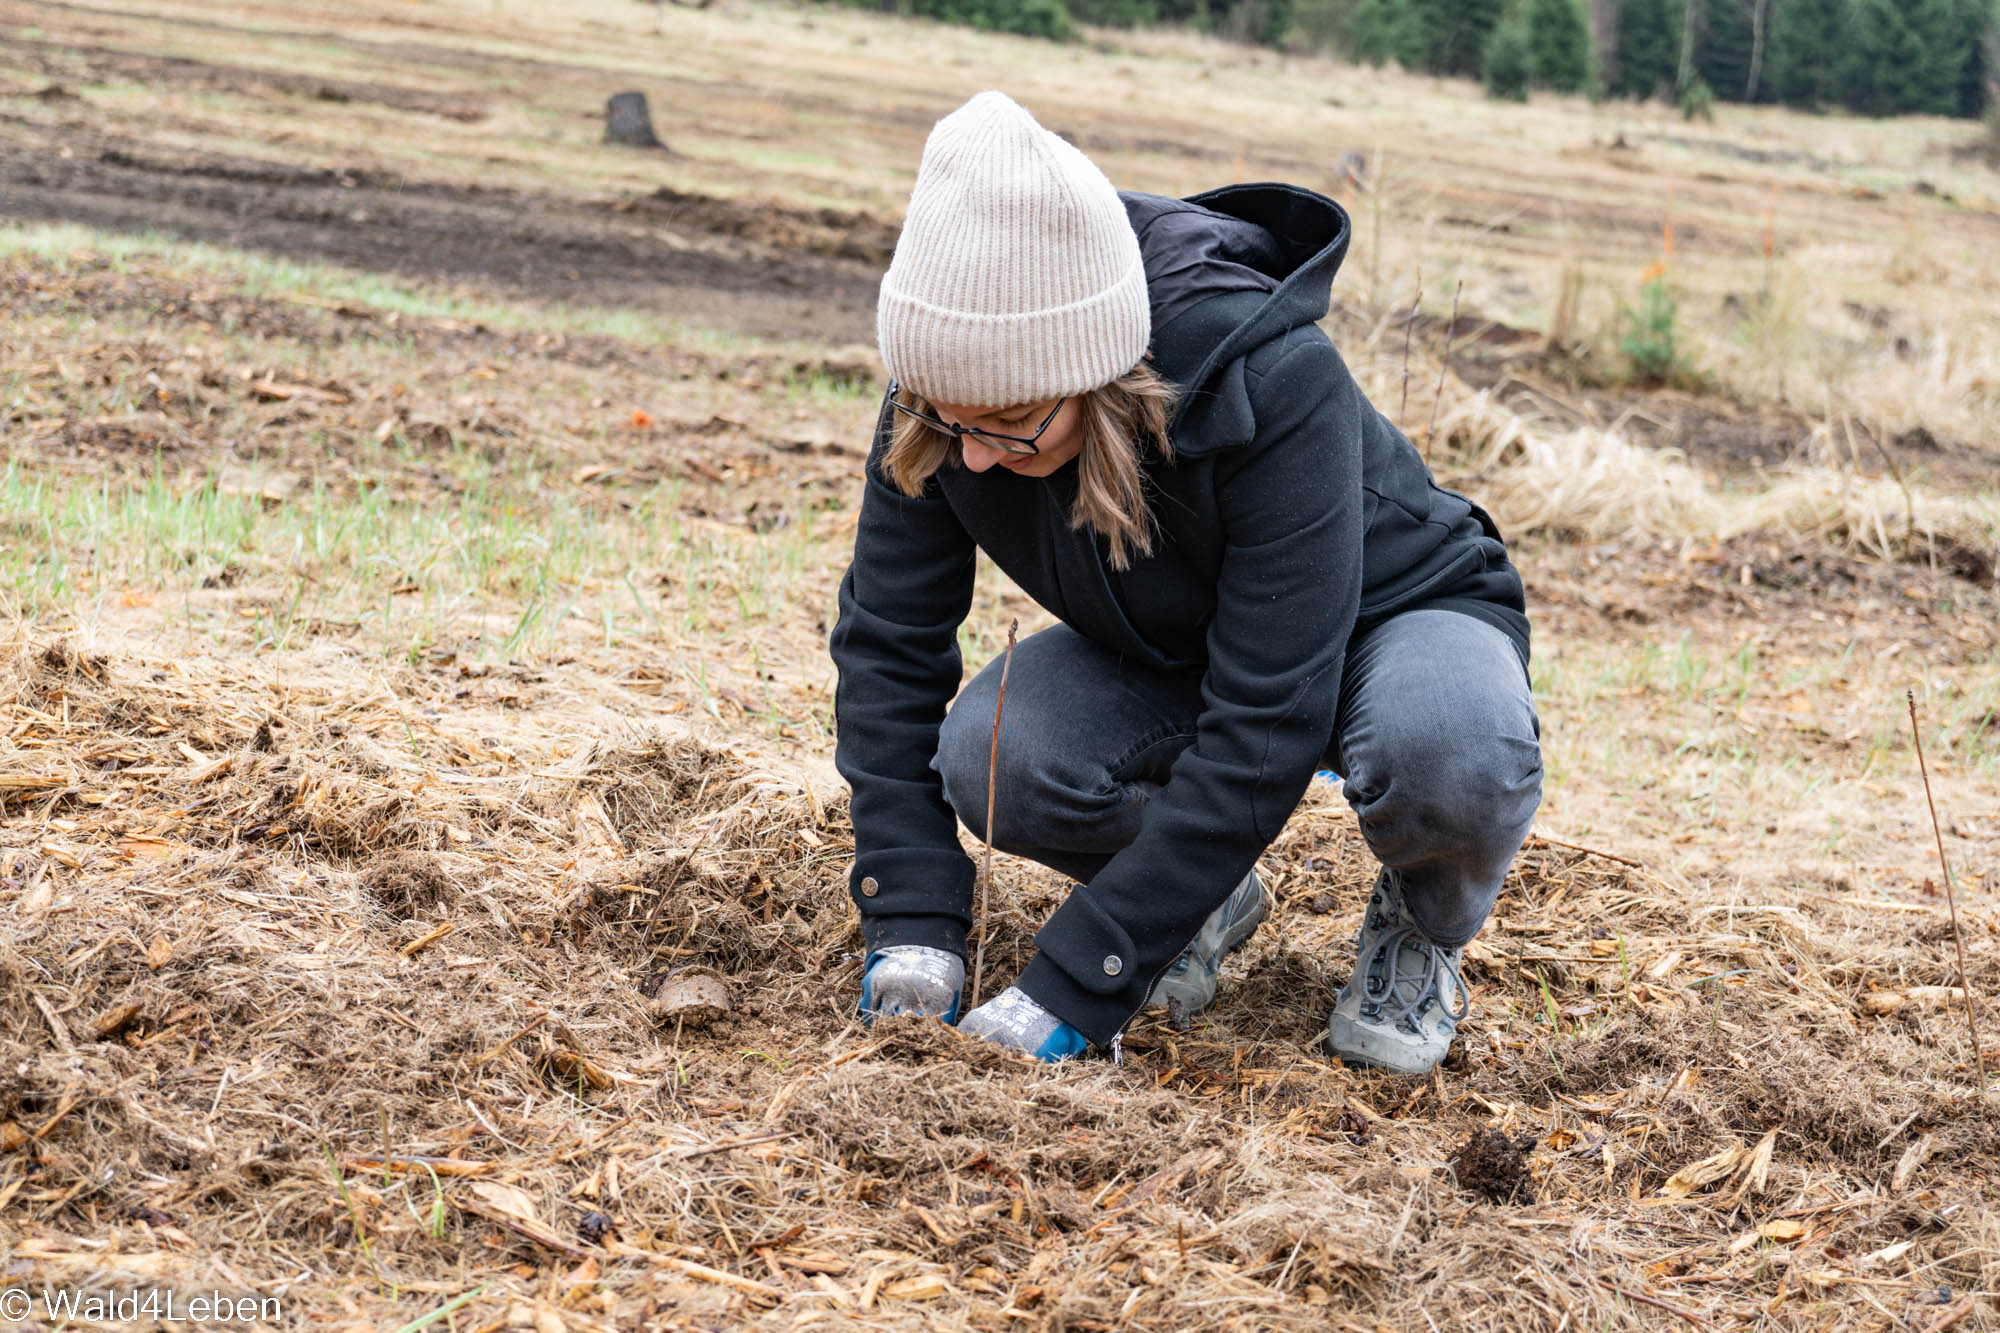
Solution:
(1017, 276)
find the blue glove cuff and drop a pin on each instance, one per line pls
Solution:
(1065, 1043)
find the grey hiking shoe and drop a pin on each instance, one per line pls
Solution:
(1401, 1008)
(1189, 983)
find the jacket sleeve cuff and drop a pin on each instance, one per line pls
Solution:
(913, 895)
(1097, 1016)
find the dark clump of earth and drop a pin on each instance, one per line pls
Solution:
(407, 884)
(1494, 1167)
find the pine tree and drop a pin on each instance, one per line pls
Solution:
(1896, 62)
(1807, 38)
(1378, 31)
(1558, 45)
(1648, 47)
(1509, 66)
(1724, 57)
(1937, 34)
(1448, 36)
(1973, 29)
(1270, 20)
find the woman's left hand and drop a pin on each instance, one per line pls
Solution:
(1013, 1020)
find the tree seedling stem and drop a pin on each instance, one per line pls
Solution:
(1409, 328)
(1950, 895)
(992, 777)
(1444, 365)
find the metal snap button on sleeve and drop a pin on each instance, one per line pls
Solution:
(869, 888)
(1113, 965)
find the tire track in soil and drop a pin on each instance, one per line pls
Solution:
(570, 251)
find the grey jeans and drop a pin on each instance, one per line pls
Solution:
(1436, 737)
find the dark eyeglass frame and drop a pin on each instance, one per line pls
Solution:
(1020, 445)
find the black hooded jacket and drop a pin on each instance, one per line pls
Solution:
(1291, 514)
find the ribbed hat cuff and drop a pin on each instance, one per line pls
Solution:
(980, 360)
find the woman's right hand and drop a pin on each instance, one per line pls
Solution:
(912, 979)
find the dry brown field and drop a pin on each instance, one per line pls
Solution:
(421, 864)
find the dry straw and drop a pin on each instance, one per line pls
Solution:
(774, 1158)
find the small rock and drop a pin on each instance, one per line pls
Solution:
(690, 997)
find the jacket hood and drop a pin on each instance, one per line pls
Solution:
(1231, 269)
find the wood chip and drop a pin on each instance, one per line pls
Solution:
(147, 848)
(1912, 1161)
(925, 1288)
(1757, 1167)
(443, 1166)
(509, 1215)
(572, 1065)
(1888, 1254)
(734, 1281)
(1697, 1175)
(273, 391)
(114, 1021)
(423, 942)
(813, 1263)
(1880, 1003)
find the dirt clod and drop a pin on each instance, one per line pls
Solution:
(408, 884)
(1494, 1167)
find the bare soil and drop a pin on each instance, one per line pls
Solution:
(704, 261)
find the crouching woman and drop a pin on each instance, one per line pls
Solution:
(1126, 401)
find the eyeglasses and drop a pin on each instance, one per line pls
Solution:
(1006, 444)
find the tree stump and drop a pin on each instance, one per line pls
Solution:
(627, 121)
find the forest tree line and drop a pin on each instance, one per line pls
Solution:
(1876, 57)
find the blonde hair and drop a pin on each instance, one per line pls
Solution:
(1119, 423)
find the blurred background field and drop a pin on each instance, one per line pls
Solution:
(418, 533)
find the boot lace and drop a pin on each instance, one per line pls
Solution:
(1384, 999)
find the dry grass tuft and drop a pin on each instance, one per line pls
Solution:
(1587, 482)
(408, 884)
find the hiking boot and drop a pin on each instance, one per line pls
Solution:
(1401, 1008)
(1188, 984)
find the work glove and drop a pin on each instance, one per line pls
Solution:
(912, 979)
(1013, 1020)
